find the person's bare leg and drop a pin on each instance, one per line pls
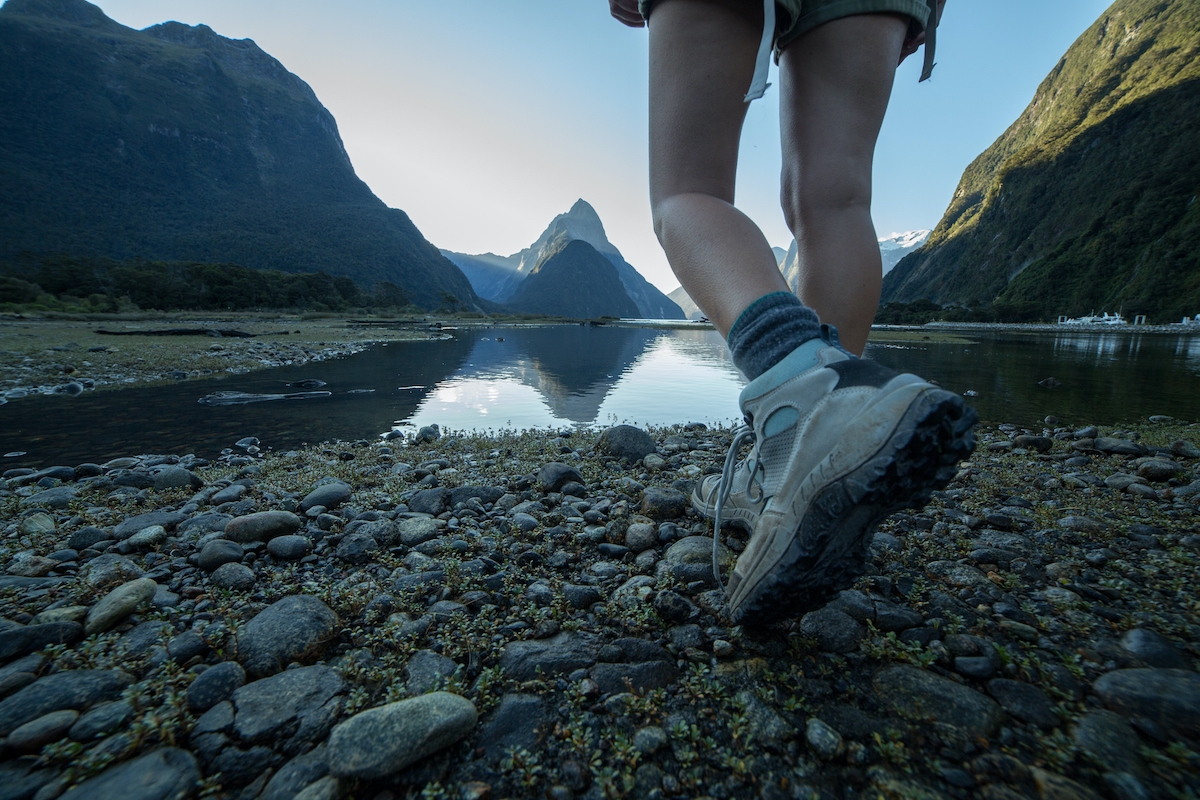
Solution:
(701, 61)
(835, 82)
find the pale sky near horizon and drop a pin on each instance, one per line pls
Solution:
(483, 120)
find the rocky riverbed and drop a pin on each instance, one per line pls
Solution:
(56, 356)
(534, 615)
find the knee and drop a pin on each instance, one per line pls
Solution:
(811, 196)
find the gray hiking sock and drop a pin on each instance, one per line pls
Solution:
(770, 328)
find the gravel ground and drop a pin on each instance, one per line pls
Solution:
(534, 615)
(71, 356)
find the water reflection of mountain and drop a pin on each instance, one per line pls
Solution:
(573, 367)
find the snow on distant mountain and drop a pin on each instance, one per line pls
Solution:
(898, 245)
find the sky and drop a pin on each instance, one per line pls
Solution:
(484, 119)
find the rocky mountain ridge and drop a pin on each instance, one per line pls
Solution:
(1087, 200)
(178, 144)
(502, 279)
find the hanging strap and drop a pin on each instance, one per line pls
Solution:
(930, 37)
(762, 63)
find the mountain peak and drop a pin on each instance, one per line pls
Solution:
(77, 12)
(583, 209)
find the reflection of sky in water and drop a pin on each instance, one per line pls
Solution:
(682, 376)
(574, 375)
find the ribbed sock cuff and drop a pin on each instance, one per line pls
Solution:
(769, 329)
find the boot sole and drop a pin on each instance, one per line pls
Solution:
(830, 548)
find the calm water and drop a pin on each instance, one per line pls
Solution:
(581, 376)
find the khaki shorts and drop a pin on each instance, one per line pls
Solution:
(794, 18)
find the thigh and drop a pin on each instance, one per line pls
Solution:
(835, 82)
(701, 62)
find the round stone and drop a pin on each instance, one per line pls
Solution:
(290, 547)
(384, 740)
(217, 552)
(36, 734)
(235, 576)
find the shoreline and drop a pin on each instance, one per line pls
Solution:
(53, 355)
(1034, 626)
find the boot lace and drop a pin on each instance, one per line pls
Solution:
(725, 488)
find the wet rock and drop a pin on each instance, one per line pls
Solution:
(581, 597)
(84, 538)
(203, 523)
(71, 689)
(217, 552)
(167, 519)
(118, 604)
(21, 641)
(1164, 700)
(296, 628)
(384, 740)
(913, 691)
(327, 495)
(428, 671)
(823, 740)
(418, 530)
(430, 501)
(290, 547)
(1184, 449)
(295, 775)
(1154, 649)
(357, 548)
(639, 678)
(955, 574)
(384, 531)
(262, 526)
(1121, 447)
(1024, 701)
(1109, 741)
(560, 655)
(690, 559)
(234, 576)
(100, 720)
(553, 476)
(173, 477)
(57, 497)
(663, 503)
(37, 733)
(215, 684)
(108, 570)
(834, 631)
(164, 774)
(515, 724)
(626, 443)
(1158, 470)
(298, 706)
(1083, 525)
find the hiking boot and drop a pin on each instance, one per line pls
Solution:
(838, 447)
